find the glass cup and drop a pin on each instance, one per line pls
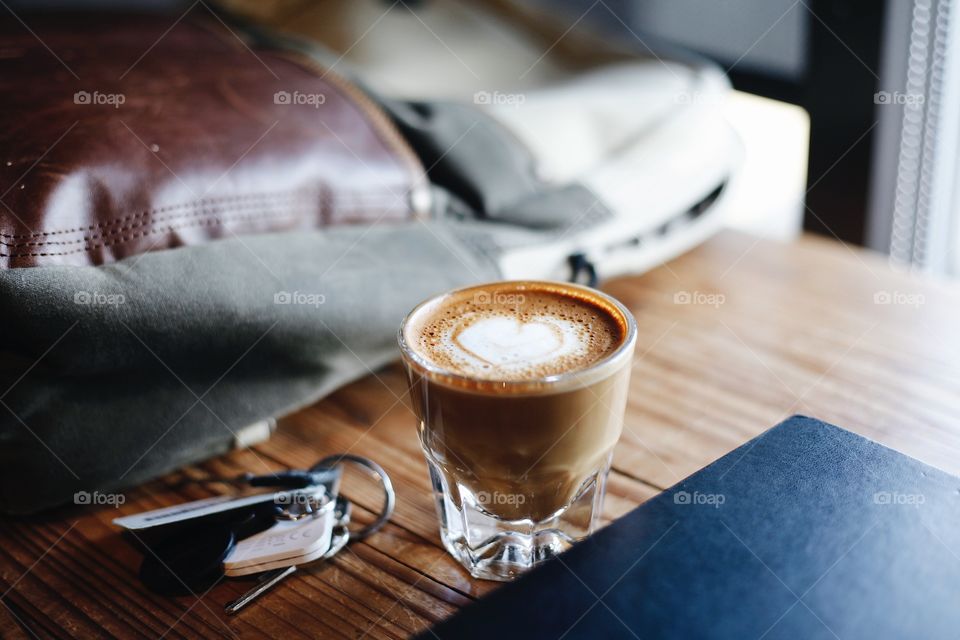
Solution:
(518, 467)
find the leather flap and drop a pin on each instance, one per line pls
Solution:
(126, 134)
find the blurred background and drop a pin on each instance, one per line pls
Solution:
(848, 109)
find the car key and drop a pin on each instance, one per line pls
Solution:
(192, 545)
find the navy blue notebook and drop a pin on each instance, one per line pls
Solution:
(807, 531)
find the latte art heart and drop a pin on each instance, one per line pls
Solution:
(514, 334)
(508, 341)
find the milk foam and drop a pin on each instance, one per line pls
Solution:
(539, 334)
(510, 344)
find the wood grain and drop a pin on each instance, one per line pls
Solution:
(770, 330)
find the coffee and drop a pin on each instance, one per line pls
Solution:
(508, 333)
(519, 389)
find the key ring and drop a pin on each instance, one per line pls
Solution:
(375, 470)
(306, 505)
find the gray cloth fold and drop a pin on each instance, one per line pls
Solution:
(116, 374)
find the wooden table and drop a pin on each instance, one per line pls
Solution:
(734, 337)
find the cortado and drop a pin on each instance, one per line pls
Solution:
(520, 390)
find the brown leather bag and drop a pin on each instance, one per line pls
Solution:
(152, 137)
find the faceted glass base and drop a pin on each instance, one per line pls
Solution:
(491, 548)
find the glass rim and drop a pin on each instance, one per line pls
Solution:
(555, 382)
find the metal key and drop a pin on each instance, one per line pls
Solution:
(267, 580)
(339, 538)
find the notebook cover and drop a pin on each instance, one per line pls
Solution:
(807, 531)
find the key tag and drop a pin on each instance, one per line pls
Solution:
(301, 534)
(305, 531)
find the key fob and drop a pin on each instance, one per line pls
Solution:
(187, 564)
(192, 560)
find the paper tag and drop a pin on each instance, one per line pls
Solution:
(285, 543)
(277, 564)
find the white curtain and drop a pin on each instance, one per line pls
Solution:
(915, 199)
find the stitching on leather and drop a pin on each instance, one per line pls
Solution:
(119, 230)
(363, 199)
(147, 212)
(167, 229)
(323, 193)
(148, 232)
